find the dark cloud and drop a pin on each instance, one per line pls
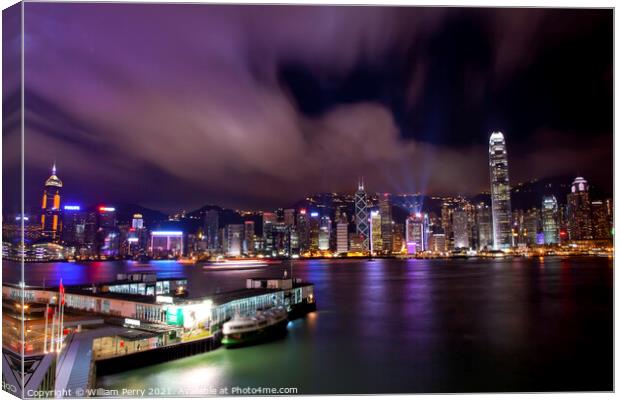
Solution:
(180, 105)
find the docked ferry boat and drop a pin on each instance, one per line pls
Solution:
(265, 326)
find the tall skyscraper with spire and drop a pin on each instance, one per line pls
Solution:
(50, 208)
(361, 214)
(500, 192)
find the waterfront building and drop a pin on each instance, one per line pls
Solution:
(362, 226)
(578, 210)
(446, 219)
(398, 234)
(385, 210)
(12, 229)
(532, 227)
(563, 223)
(109, 243)
(500, 192)
(342, 237)
(484, 226)
(356, 243)
(166, 244)
(234, 239)
(211, 230)
(132, 242)
(376, 244)
(106, 218)
(145, 314)
(601, 227)
(248, 237)
(107, 237)
(313, 231)
(437, 243)
(73, 225)
(461, 226)
(269, 231)
(277, 240)
(51, 224)
(470, 212)
(293, 240)
(325, 233)
(416, 233)
(303, 232)
(269, 237)
(90, 234)
(550, 220)
(48, 251)
(519, 233)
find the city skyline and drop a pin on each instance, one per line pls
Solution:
(405, 107)
(32, 204)
(349, 225)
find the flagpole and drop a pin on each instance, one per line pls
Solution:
(62, 326)
(56, 315)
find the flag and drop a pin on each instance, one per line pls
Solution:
(61, 289)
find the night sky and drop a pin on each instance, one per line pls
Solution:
(176, 106)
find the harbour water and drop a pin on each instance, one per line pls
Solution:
(399, 326)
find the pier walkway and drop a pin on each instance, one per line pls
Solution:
(75, 363)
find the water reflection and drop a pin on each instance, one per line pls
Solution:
(404, 326)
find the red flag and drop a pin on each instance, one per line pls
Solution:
(62, 293)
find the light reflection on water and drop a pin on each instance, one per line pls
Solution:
(391, 326)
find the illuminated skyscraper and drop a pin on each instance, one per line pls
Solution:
(550, 220)
(342, 237)
(303, 232)
(461, 228)
(313, 231)
(437, 242)
(293, 240)
(269, 231)
(398, 238)
(601, 227)
(50, 208)
(376, 244)
(500, 191)
(108, 239)
(211, 230)
(106, 218)
(532, 227)
(361, 214)
(325, 230)
(416, 233)
(234, 239)
(446, 218)
(248, 239)
(166, 244)
(484, 226)
(385, 209)
(73, 225)
(578, 210)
